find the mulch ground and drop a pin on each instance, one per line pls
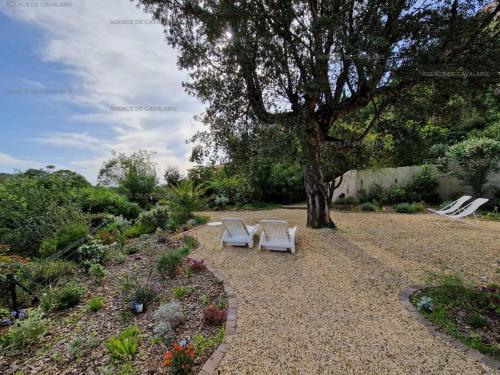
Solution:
(75, 342)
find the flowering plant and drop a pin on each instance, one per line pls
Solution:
(214, 315)
(180, 359)
(196, 265)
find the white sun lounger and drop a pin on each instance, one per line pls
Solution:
(237, 233)
(452, 207)
(467, 210)
(276, 235)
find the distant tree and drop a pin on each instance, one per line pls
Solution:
(172, 175)
(472, 161)
(134, 175)
(303, 65)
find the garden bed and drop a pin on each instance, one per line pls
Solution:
(77, 339)
(469, 314)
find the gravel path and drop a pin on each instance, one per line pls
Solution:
(333, 308)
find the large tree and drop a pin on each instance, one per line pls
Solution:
(302, 65)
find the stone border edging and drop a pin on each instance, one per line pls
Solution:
(230, 329)
(404, 298)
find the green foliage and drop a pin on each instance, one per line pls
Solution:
(68, 295)
(98, 272)
(65, 236)
(95, 304)
(135, 175)
(368, 206)
(347, 201)
(92, 252)
(156, 217)
(422, 187)
(202, 344)
(409, 208)
(103, 199)
(26, 332)
(168, 263)
(138, 230)
(124, 347)
(46, 272)
(375, 193)
(145, 295)
(191, 241)
(472, 160)
(185, 199)
(180, 292)
(476, 321)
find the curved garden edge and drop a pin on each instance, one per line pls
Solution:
(404, 298)
(230, 328)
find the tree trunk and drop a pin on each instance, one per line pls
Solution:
(318, 205)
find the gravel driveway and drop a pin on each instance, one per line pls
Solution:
(333, 308)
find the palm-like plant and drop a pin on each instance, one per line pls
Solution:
(184, 199)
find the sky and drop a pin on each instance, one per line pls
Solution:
(81, 78)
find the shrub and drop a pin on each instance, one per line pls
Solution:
(64, 237)
(107, 237)
(190, 241)
(98, 272)
(472, 161)
(26, 332)
(422, 187)
(375, 193)
(164, 331)
(180, 292)
(409, 208)
(347, 201)
(220, 202)
(396, 195)
(168, 263)
(184, 199)
(124, 347)
(102, 199)
(368, 206)
(46, 272)
(138, 230)
(92, 252)
(157, 217)
(180, 359)
(214, 316)
(69, 295)
(144, 295)
(196, 265)
(170, 313)
(96, 304)
(476, 321)
(201, 344)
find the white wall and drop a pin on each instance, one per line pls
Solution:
(449, 187)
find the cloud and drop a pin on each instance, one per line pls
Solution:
(7, 161)
(114, 64)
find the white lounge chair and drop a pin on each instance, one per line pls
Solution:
(467, 210)
(452, 207)
(237, 233)
(276, 235)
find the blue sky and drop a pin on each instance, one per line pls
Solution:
(65, 70)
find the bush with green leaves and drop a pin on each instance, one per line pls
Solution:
(168, 263)
(170, 313)
(347, 201)
(422, 186)
(26, 332)
(138, 230)
(68, 295)
(220, 202)
(201, 343)
(375, 193)
(472, 161)
(103, 199)
(185, 199)
(46, 271)
(368, 206)
(92, 252)
(124, 347)
(156, 217)
(180, 292)
(95, 304)
(409, 208)
(98, 272)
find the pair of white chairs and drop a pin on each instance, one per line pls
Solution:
(455, 212)
(275, 234)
